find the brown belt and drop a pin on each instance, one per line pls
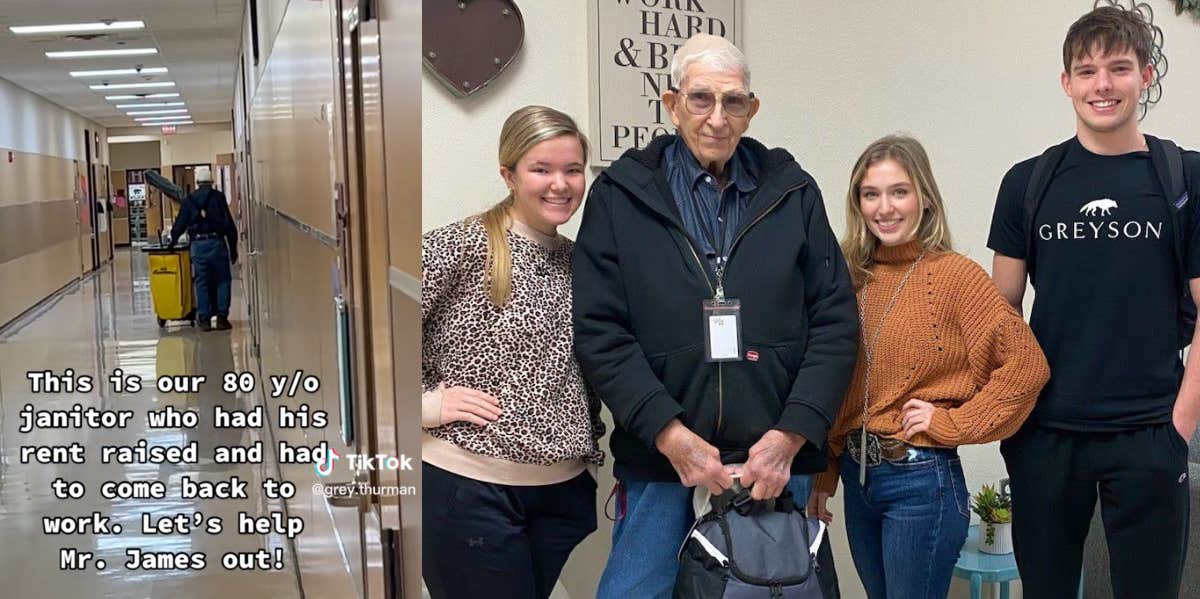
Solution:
(877, 448)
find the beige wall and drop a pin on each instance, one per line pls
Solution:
(143, 154)
(39, 235)
(294, 135)
(290, 205)
(191, 144)
(196, 148)
(270, 22)
(40, 273)
(401, 88)
(291, 122)
(976, 82)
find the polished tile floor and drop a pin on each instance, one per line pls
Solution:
(100, 325)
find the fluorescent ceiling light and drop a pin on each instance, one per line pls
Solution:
(94, 53)
(143, 96)
(174, 117)
(129, 85)
(102, 73)
(170, 123)
(78, 27)
(171, 111)
(126, 139)
(151, 105)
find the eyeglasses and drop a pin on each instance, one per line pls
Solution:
(701, 103)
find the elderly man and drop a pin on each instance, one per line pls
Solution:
(213, 242)
(714, 316)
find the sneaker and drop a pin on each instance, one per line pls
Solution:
(204, 325)
(223, 324)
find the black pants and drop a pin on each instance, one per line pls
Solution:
(1141, 477)
(497, 541)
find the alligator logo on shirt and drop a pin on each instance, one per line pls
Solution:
(1103, 205)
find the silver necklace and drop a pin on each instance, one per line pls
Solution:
(869, 352)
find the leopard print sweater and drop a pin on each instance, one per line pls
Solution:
(522, 354)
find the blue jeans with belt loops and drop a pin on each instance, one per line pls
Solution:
(907, 525)
(211, 274)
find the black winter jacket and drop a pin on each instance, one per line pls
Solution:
(638, 288)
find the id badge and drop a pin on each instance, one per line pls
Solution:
(722, 330)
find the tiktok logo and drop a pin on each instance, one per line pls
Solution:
(325, 468)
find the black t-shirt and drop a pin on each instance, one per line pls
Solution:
(1106, 303)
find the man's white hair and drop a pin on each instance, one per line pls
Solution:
(711, 51)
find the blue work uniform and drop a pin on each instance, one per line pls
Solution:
(213, 236)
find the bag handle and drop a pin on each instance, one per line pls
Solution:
(741, 502)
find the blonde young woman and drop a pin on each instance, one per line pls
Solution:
(510, 428)
(943, 361)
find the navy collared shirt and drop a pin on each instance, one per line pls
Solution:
(710, 215)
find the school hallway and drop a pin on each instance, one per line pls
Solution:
(97, 326)
(117, 112)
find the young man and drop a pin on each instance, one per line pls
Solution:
(1101, 252)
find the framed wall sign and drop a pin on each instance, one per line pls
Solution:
(630, 45)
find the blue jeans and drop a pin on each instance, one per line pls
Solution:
(908, 524)
(647, 537)
(210, 271)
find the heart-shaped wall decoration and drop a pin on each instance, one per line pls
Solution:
(468, 43)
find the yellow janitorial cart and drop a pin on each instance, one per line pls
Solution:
(171, 283)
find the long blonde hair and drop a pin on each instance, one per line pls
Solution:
(523, 129)
(859, 243)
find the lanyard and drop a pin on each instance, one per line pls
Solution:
(706, 226)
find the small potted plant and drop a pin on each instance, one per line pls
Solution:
(995, 511)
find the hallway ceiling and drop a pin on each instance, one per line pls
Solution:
(197, 40)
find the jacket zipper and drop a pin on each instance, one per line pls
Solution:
(762, 216)
(719, 292)
(720, 394)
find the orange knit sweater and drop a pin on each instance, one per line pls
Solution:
(951, 340)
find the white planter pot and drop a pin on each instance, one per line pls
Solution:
(1001, 539)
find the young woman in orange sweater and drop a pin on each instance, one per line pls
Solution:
(944, 361)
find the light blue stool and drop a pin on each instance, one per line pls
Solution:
(978, 567)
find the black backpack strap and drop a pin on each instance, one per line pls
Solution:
(1039, 182)
(1168, 165)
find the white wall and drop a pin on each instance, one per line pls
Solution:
(36, 125)
(459, 139)
(977, 83)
